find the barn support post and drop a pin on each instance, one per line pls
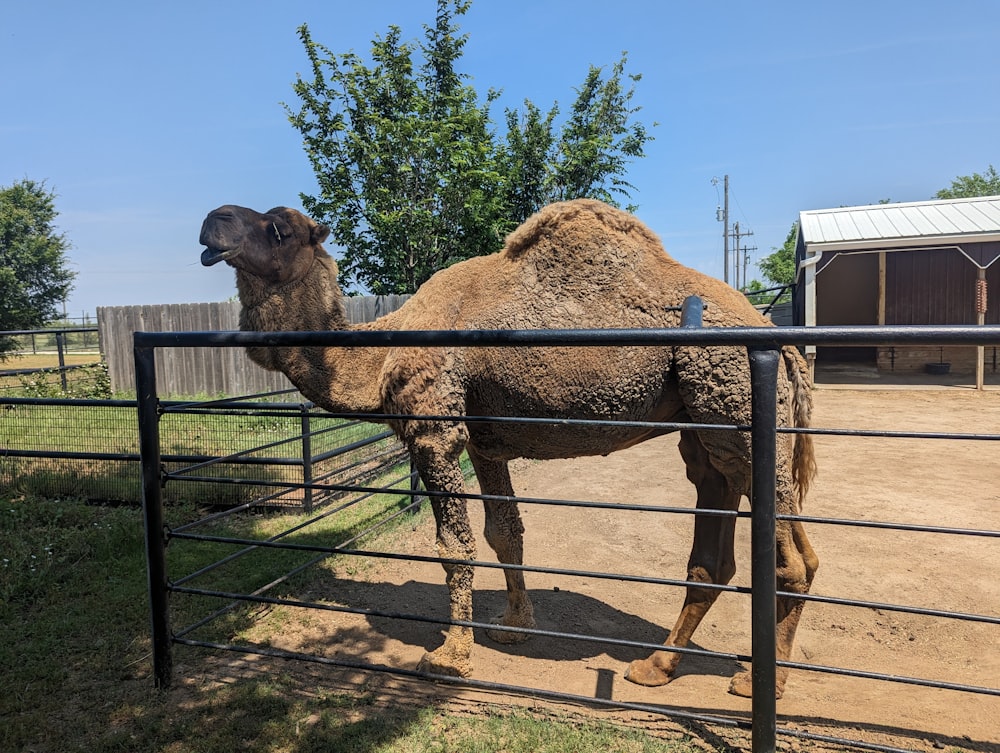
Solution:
(763, 436)
(980, 320)
(152, 509)
(808, 268)
(882, 267)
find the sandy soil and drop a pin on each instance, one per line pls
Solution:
(948, 483)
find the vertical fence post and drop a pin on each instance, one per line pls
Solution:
(414, 482)
(691, 311)
(152, 508)
(307, 470)
(61, 351)
(763, 436)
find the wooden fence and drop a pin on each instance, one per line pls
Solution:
(202, 371)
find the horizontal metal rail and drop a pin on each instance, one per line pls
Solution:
(275, 540)
(47, 331)
(426, 558)
(624, 506)
(46, 369)
(374, 528)
(537, 632)
(711, 336)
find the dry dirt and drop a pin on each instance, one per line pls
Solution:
(949, 483)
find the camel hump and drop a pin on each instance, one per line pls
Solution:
(580, 228)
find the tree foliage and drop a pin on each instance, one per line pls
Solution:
(412, 176)
(967, 186)
(779, 267)
(34, 277)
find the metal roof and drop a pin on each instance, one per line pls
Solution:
(912, 225)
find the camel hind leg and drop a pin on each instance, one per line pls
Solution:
(504, 532)
(796, 567)
(711, 561)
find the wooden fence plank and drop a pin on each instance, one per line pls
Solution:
(195, 371)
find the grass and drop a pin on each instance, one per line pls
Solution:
(74, 658)
(49, 360)
(113, 429)
(86, 382)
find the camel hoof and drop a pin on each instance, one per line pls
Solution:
(508, 637)
(742, 685)
(435, 663)
(645, 672)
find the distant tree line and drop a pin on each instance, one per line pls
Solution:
(34, 276)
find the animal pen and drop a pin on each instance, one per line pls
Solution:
(763, 345)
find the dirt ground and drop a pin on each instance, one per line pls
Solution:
(951, 483)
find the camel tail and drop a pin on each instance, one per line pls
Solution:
(803, 457)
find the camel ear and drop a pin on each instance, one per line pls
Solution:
(320, 233)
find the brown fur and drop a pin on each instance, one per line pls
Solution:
(576, 264)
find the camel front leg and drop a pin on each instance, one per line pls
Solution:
(454, 541)
(505, 533)
(711, 561)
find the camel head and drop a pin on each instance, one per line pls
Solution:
(276, 247)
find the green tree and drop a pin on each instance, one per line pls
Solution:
(34, 277)
(587, 156)
(599, 138)
(966, 186)
(779, 267)
(412, 176)
(527, 161)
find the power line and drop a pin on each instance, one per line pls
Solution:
(739, 258)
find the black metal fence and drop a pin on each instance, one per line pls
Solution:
(58, 447)
(60, 339)
(62, 379)
(763, 345)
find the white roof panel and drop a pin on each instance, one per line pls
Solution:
(921, 223)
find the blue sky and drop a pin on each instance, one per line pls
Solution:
(144, 116)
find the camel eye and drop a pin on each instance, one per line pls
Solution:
(277, 233)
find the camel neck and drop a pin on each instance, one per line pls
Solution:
(337, 379)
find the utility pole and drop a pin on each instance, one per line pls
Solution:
(736, 255)
(741, 257)
(725, 229)
(722, 215)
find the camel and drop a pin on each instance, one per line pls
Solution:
(574, 264)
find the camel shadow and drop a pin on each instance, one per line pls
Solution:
(393, 613)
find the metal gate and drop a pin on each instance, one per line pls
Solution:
(763, 345)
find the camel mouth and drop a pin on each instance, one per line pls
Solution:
(212, 256)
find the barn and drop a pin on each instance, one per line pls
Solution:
(928, 262)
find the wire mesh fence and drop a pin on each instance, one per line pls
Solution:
(55, 362)
(69, 339)
(88, 380)
(89, 449)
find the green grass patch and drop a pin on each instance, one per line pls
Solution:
(74, 657)
(112, 428)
